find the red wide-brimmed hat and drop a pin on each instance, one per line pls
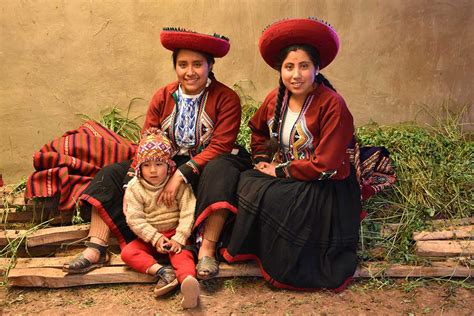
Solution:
(311, 31)
(177, 38)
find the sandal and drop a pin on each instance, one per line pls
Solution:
(167, 281)
(80, 265)
(207, 268)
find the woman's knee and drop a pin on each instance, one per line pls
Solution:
(223, 164)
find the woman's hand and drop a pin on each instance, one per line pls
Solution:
(174, 246)
(266, 168)
(168, 195)
(162, 245)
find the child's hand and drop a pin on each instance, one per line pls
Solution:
(174, 246)
(162, 245)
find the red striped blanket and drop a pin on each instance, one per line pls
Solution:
(67, 164)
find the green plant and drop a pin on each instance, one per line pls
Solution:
(115, 121)
(434, 165)
(249, 106)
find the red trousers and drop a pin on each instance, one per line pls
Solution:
(140, 256)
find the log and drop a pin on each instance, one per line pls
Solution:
(56, 235)
(56, 278)
(448, 248)
(456, 233)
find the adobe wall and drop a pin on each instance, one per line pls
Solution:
(61, 57)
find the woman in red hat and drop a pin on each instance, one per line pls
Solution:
(299, 208)
(201, 117)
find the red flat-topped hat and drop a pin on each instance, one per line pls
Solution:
(311, 31)
(177, 38)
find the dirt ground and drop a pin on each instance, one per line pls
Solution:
(248, 296)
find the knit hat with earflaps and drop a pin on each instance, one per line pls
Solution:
(155, 146)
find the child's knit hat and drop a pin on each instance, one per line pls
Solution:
(155, 146)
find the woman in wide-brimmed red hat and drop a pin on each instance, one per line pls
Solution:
(299, 208)
(201, 117)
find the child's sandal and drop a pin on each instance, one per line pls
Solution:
(80, 265)
(166, 281)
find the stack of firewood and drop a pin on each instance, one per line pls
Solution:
(39, 253)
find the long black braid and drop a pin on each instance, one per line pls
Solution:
(273, 144)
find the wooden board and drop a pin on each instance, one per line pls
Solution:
(8, 235)
(452, 222)
(459, 232)
(445, 248)
(56, 278)
(11, 215)
(437, 269)
(56, 235)
(46, 272)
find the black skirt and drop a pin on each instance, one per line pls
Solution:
(304, 235)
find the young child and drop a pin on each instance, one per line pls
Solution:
(160, 229)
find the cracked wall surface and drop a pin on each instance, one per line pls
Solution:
(60, 57)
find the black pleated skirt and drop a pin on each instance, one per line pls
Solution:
(304, 235)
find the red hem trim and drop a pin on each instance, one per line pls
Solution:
(229, 258)
(212, 208)
(105, 216)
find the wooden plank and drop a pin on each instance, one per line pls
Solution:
(53, 262)
(56, 278)
(8, 235)
(448, 248)
(28, 274)
(453, 222)
(55, 235)
(11, 215)
(437, 269)
(456, 233)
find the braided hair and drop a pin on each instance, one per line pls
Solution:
(209, 58)
(273, 144)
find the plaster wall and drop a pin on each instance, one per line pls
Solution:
(59, 57)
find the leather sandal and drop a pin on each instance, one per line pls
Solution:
(80, 264)
(207, 268)
(167, 281)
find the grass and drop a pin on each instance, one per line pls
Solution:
(435, 178)
(113, 119)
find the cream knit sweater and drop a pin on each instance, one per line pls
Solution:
(147, 219)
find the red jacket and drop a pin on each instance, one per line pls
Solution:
(218, 122)
(318, 142)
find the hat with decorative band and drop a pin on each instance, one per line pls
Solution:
(311, 31)
(173, 38)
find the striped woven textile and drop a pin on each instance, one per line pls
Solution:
(66, 165)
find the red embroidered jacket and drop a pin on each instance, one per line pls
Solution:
(318, 141)
(218, 123)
